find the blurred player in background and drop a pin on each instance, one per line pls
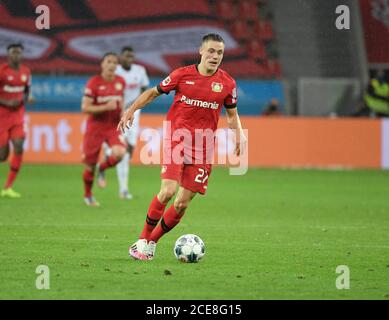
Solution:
(201, 91)
(377, 96)
(15, 82)
(103, 102)
(136, 83)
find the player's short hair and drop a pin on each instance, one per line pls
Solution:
(212, 37)
(15, 45)
(127, 48)
(110, 53)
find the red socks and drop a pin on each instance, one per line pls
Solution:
(111, 162)
(88, 177)
(170, 219)
(155, 213)
(16, 163)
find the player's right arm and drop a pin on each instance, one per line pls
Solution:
(145, 98)
(168, 84)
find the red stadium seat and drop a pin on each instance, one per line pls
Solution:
(263, 30)
(241, 30)
(256, 50)
(248, 11)
(226, 10)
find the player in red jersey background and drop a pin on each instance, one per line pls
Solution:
(103, 102)
(201, 92)
(15, 82)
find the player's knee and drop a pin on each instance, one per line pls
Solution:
(166, 194)
(180, 205)
(119, 153)
(18, 146)
(90, 167)
(18, 149)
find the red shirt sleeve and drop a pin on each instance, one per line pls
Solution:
(232, 97)
(90, 89)
(170, 82)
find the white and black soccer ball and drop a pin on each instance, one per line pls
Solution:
(189, 248)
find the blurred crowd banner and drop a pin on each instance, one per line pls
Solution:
(64, 94)
(165, 34)
(376, 25)
(273, 142)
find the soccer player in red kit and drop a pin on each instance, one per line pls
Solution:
(103, 101)
(15, 80)
(201, 91)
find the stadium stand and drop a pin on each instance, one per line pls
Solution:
(73, 19)
(248, 10)
(225, 10)
(257, 50)
(263, 30)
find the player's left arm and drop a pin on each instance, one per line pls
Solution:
(27, 97)
(233, 119)
(234, 123)
(145, 98)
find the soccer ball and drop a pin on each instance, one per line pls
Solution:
(189, 248)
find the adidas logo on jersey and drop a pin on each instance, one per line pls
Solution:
(199, 103)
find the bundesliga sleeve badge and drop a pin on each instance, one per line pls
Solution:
(166, 81)
(217, 87)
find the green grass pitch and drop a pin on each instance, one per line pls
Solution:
(271, 234)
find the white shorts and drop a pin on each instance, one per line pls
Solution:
(131, 135)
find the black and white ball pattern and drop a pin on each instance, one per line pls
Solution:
(189, 248)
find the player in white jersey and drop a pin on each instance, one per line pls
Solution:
(137, 81)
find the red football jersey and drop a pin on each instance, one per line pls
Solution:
(13, 84)
(102, 91)
(198, 102)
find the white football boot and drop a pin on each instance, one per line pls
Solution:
(150, 250)
(91, 202)
(137, 250)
